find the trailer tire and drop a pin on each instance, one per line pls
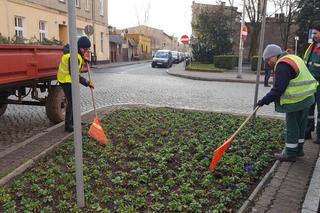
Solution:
(3, 108)
(56, 104)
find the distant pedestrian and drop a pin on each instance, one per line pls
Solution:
(267, 74)
(293, 94)
(312, 60)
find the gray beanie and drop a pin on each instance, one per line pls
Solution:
(271, 50)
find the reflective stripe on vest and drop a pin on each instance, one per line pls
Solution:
(306, 54)
(63, 75)
(291, 145)
(302, 86)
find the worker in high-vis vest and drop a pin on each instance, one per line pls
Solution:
(312, 60)
(293, 94)
(65, 80)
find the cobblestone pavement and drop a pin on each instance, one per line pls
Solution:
(137, 84)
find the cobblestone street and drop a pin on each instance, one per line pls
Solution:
(137, 84)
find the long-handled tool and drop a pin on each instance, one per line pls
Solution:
(96, 131)
(218, 153)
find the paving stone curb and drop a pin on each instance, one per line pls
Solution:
(118, 65)
(312, 198)
(260, 186)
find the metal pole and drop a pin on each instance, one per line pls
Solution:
(76, 102)
(241, 41)
(262, 31)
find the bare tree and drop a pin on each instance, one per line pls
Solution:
(289, 10)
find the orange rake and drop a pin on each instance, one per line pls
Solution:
(96, 131)
(218, 153)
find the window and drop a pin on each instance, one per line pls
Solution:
(101, 41)
(80, 32)
(77, 3)
(101, 8)
(86, 5)
(141, 47)
(18, 23)
(43, 31)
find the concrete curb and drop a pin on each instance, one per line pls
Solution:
(212, 79)
(30, 162)
(312, 199)
(119, 65)
(259, 187)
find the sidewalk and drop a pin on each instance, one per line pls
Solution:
(288, 187)
(119, 64)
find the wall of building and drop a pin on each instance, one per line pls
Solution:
(56, 23)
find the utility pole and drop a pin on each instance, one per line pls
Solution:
(241, 41)
(76, 102)
(262, 31)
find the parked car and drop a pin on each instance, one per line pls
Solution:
(162, 58)
(175, 56)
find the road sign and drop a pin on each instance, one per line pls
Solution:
(88, 30)
(244, 33)
(184, 39)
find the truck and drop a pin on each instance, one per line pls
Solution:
(26, 71)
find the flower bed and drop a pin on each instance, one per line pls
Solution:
(158, 162)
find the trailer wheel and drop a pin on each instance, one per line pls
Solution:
(3, 108)
(56, 104)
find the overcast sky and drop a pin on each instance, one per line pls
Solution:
(172, 16)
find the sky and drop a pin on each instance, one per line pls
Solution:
(172, 16)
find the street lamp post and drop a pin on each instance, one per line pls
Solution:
(296, 38)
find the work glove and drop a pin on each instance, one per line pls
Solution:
(261, 103)
(91, 85)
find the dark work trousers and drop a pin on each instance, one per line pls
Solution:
(310, 126)
(267, 74)
(295, 128)
(69, 114)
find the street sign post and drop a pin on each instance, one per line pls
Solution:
(241, 40)
(76, 102)
(185, 39)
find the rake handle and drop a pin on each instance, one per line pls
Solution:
(245, 122)
(92, 95)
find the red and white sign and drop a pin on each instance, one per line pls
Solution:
(184, 39)
(244, 33)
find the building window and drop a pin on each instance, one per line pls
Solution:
(101, 41)
(77, 3)
(18, 23)
(101, 8)
(43, 30)
(86, 5)
(141, 47)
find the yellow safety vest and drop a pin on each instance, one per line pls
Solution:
(63, 75)
(302, 86)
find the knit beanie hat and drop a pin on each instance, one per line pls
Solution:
(271, 50)
(84, 42)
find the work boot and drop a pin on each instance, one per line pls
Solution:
(285, 157)
(307, 135)
(300, 153)
(317, 141)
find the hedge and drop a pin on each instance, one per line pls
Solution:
(225, 61)
(254, 63)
